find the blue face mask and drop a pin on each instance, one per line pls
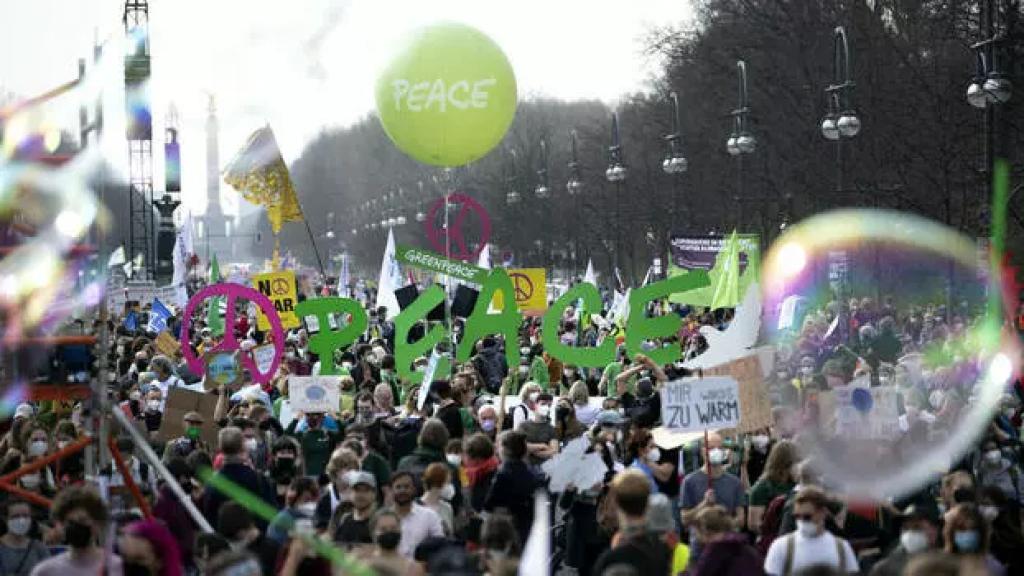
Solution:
(966, 540)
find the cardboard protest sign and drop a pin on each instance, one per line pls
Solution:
(279, 287)
(166, 344)
(755, 406)
(700, 404)
(221, 369)
(866, 413)
(314, 393)
(181, 401)
(263, 355)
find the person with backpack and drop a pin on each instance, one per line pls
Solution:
(810, 544)
(490, 362)
(776, 480)
(522, 412)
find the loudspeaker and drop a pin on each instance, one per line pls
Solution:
(465, 301)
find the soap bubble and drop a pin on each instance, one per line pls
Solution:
(895, 360)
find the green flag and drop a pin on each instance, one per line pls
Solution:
(214, 319)
(725, 276)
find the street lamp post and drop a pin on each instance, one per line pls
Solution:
(616, 173)
(575, 187)
(841, 120)
(741, 142)
(675, 162)
(989, 89)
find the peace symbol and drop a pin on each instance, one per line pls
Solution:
(437, 237)
(523, 286)
(279, 286)
(229, 342)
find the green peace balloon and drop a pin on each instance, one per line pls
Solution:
(449, 95)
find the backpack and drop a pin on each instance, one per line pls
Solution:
(770, 522)
(508, 422)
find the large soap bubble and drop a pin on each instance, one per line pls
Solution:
(887, 366)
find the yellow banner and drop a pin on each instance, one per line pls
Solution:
(279, 287)
(530, 285)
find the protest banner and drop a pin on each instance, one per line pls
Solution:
(181, 401)
(280, 288)
(314, 393)
(866, 413)
(263, 355)
(166, 344)
(428, 260)
(692, 253)
(755, 406)
(221, 369)
(711, 403)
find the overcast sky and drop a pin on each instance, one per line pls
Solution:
(306, 65)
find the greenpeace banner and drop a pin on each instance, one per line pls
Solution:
(710, 403)
(707, 253)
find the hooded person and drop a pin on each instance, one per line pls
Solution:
(491, 364)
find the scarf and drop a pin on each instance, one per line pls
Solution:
(475, 472)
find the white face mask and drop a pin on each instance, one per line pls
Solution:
(448, 492)
(569, 373)
(524, 351)
(760, 441)
(153, 405)
(913, 541)
(989, 512)
(135, 395)
(454, 459)
(306, 509)
(251, 444)
(993, 456)
(718, 456)
(62, 444)
(346, 365)
(543, 410)
(654, 455)
(936, 398)
(533, 396)
(20, 525)
(807, 370)
(30, 481)
(807, 528)
(37, 448)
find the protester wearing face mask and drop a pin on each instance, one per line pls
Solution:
(236, 468)
(567, 427)
(919, 532)
(541, 443)
(709, 486)
(152, 413)
(646, 457)
(316, 442)
(811, 544)
(20, 551)
(387, 535)
(776, 480)
(300, 503)
(338, 494)
(190, 441)
(438, 493)
(1003, 516)
(993, 469)
(967, 533)
(81, 516)
(524, 412)
(487, 420)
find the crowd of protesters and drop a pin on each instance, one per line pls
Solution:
(447, 485)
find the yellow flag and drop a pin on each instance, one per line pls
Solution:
(260, 175)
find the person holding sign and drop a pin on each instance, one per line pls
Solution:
(712, 485)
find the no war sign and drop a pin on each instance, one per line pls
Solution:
(709, 403)
(280, 288)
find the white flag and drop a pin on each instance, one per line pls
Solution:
(620, 307)
(390, 278)
(485, 258)
(116, 257)
(590, 276)
(183, 250)
(538, 545)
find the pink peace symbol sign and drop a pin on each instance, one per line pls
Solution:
(233, 292)
(436, 235)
